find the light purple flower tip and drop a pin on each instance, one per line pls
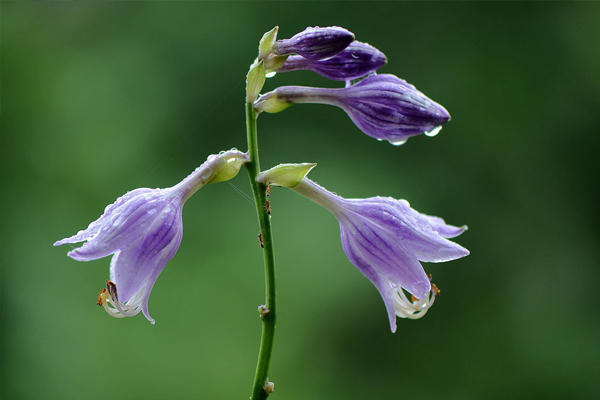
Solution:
(315, 43)
(355, 61)
(143, 229)
(385, 239)
(382, 106)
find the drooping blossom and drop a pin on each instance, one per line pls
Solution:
(355, 61)
(142, 230)
(385, 239)
(315, 43)
(382, 106)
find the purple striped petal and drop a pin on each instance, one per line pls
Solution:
(385, 239)
(143, 229)
(315, 43)
(355, 61)
(382, 106)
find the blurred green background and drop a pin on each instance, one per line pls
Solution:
(100, 98)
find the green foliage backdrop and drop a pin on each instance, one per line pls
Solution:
(100, 98)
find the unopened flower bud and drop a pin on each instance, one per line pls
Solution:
(315, 43)
(355, 61)
(382, 106)
(285, 175)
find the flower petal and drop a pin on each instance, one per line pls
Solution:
(418, 231)
(382, 284)
(385, 253)
(122, 221)
(142, 262)
(355, 61)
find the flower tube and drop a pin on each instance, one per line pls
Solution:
(315, 43)
(382, 106)
(355, 61)
(384, 238)
(143, 230)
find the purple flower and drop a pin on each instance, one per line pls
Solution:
(315, 43)
(355, 61)
(143, 230)
(385, 239)
(382, 106)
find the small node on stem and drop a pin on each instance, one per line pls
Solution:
(269, 387)
(263, 310)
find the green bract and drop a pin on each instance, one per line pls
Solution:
(255, 81)
(266, 43)
(286, 175)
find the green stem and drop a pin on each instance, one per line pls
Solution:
(268, 318)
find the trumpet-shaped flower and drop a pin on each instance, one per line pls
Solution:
(382, 106)
(385, 239)
(143, 230)
(315, 43)
(355, 61)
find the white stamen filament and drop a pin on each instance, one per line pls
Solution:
(411, 309)
(119, 310)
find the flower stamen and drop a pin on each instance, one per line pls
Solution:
(109, 299)
(413, 308)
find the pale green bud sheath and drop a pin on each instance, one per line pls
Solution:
(261, 387)
(273, 62)
(217, 168)
(285, 175)
(255, 80)
(271, 104)
(266, 43)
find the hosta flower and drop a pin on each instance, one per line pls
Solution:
(143, 230)
(355, 61)
(385, 239)
(315, 43)
(382, 106)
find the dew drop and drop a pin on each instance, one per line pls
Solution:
(379, 140)
(433, 132)
(349, 69)
(206, 174)
(270, 74)
(398, 143)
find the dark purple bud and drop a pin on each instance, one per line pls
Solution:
(355, 61)
(315, 43)
(382, 106)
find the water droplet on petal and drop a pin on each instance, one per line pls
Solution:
(379, 140)
(433, 132)
(349, 69)
(398, 143)
(206, 174)
(270, 74)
